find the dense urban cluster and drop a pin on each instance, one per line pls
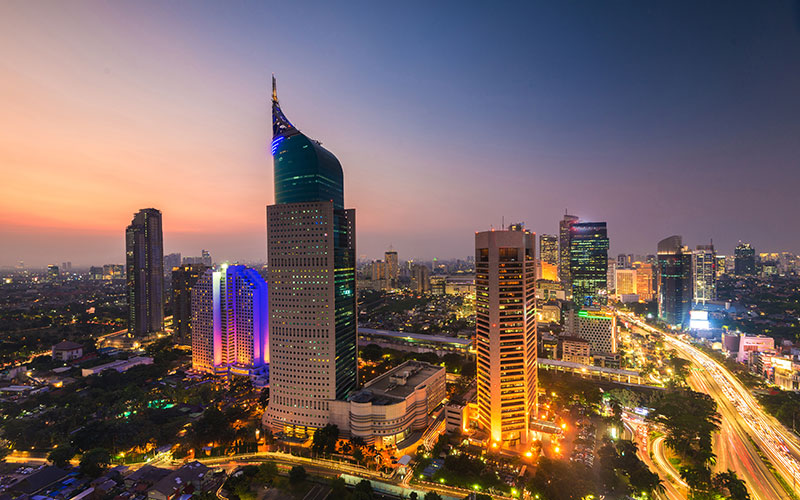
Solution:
(537, 367)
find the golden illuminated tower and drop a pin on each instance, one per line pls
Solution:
(505, 285)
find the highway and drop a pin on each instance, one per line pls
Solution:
(743, 419)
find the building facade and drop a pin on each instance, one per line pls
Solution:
(588, 262)
(564, 235)
(704, 271)
(230, 322)
(644, 281)
(548, 249)
(312, 262)
(599, 328)
(625, 282)
(674, 282)
(744, 260)
(506, 343)
(389, 408)
(144, 261)
(183, 280)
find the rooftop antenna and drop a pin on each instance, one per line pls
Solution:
(503, 222)
(274, 89)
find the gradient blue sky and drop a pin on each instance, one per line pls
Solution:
(667, 118)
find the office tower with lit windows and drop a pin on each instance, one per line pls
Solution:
(548, 249)
(230, 322)
(704, 272)
(722, 265)
(183, 279)
(52, 272)
(505, 286)
(744, 260)
(311, 271)
(674, 282)
(588, 262)
(564, 236)
(144, 262)
(644, 281)
(625, 282)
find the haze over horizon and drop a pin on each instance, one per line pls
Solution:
(659, 119)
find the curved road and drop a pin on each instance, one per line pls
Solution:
(742, 419)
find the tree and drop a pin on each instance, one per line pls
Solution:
(731, 486)
(267, 472)
(363, 491)
(94, 462)
(372, 352)
(325, 439)
(297, 474)
(413, 496)
(432, 495)
(61, 456)
(689, 418)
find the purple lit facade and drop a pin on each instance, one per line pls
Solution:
(230, 322)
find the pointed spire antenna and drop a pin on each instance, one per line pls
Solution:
(274, 89)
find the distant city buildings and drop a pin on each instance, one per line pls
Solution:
(420, 278)
(744, 260)
(183, 281)
(144, 257)
(171, 261)
(505, 266)
(311, 257)
(230, 322)
(588, 262)
(674, 282)
(204, 259)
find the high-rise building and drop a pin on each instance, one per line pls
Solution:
(144, 262)
(588, 262)
(704, 271)
(744, 260)
(230, 322)
(548, 249)
(420, 278)
(621, 260)
(674, 282)
(205, 258)
(644, 281)
(611, 276)
(312, 262)
(505, 285)
(564, 236)
(392, 268)
(626, 282)
(183, 281)
(66, 266)
(722, 265)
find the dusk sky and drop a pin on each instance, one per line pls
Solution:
(659, 118)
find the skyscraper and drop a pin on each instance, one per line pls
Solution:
(392, 268)
(704, 270)
(644, 281)
(548, 249)
(744, 260)
(311, 267)
(505, 284)
(420, 278)
(588, 262)
(144, 260)
(674, 282)
(564, 236)
(230, 318)
(183, 281)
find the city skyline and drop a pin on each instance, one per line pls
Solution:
(589, 122)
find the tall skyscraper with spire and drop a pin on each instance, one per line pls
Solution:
(311, 269)
(144, 261)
